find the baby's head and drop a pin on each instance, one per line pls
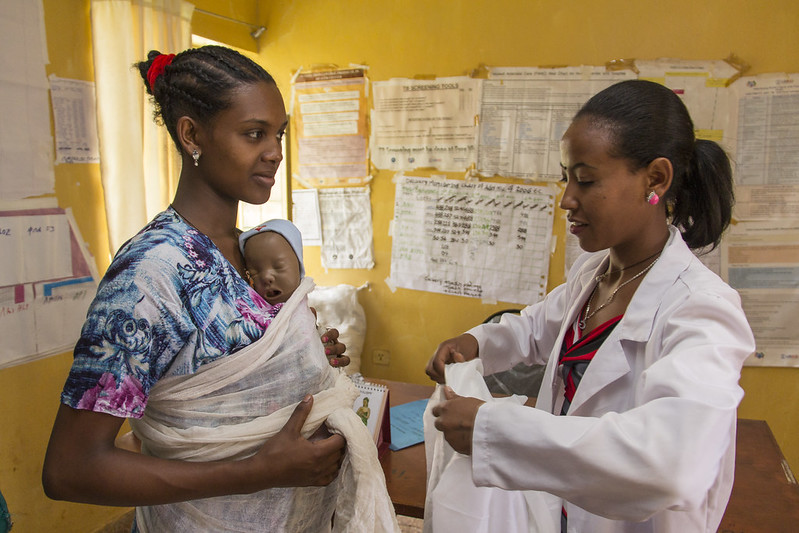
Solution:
(273, 254)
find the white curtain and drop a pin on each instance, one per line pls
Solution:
(139, 163)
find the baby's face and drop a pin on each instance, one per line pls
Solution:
(273, 266)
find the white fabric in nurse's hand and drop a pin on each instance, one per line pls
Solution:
(454, 502)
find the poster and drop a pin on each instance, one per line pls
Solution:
(524, 113)
(48, 281)
(329, 127)
(760, 259)
(346, 228)
(482, 240)
(425, 123)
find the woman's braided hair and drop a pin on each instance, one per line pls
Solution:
(198, 83)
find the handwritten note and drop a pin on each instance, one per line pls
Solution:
(17, 322)
(482, 240)
(48, 283)
(60, 311)
(75, 121)
(34, 248)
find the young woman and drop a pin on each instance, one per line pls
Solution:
(634, 426)
(175, 302)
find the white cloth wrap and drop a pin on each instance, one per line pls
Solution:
(454, 502)
(229, 408)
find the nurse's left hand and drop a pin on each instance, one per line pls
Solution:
(334, 349)
(455, 418)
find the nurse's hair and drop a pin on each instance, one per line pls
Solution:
(197, 83)
(647, 120)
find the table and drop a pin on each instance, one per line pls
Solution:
(406, 469)
(765, 495)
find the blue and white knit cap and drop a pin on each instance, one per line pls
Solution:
(286, 228)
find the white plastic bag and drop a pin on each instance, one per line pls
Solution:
(338, 307)
(454, 503)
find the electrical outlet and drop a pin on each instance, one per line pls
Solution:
(381, 357)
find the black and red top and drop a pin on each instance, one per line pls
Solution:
(577, 352)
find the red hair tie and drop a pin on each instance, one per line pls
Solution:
(157, 67)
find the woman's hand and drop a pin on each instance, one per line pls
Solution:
(456, 350)
(334, 350)
(455, 418)
(290, 460)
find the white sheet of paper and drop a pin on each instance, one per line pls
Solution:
(477, 239)
(17, 323)
(75, 120)
(26, 147)
(425, 123)
(34, 248)
(702, 86)
(44, 318)
(60, 309)
(760, 259)
(305, 215)
(346, 227)
(766, 201)
(524, 113)
(768, 126)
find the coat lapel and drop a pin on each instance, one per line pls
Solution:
(582, 287)
(611, 361)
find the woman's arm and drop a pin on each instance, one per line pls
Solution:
(526, 337)
(82, 464)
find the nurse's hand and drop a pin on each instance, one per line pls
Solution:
(455, 418)
(456, 350)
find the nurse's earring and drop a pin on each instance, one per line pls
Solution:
(652, 198)
(196, 156)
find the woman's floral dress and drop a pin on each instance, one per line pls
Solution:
(169, 303)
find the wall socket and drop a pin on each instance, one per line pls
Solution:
(381, 357)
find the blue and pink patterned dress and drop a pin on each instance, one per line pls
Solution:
(169, 303)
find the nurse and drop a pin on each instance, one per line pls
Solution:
(634, 426)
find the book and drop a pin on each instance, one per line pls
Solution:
(372, 407)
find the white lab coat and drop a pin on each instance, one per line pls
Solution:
(648, 444)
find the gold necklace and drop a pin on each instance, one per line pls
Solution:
(588, 314)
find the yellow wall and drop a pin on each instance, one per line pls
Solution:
(396, 39)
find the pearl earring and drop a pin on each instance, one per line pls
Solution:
(652, 198)
(196, 156)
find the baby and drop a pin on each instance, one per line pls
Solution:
(273, 256)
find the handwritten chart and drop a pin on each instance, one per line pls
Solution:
(47, 281)
(476, 239)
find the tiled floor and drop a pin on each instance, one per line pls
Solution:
(410, 525)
